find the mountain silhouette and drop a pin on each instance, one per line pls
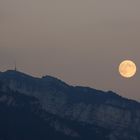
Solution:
(79, 113)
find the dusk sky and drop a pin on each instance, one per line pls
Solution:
(79, 41)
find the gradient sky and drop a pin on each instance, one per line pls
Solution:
(79, 41)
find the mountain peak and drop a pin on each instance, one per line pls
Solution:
(53, 79)
(15, 73)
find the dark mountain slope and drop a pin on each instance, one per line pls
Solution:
(22, 118)
(118, 116)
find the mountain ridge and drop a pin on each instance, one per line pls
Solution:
(47, 78)
(81, 104)
(15, 74)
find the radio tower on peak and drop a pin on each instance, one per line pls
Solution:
(15, 66)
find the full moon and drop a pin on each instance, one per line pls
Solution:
(127, 69)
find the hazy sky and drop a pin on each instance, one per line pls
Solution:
(79, 41)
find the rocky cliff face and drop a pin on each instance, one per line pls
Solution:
(22, 117)
(81, 104)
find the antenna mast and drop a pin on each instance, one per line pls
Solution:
(15, 66)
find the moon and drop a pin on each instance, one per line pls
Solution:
(127, 68)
